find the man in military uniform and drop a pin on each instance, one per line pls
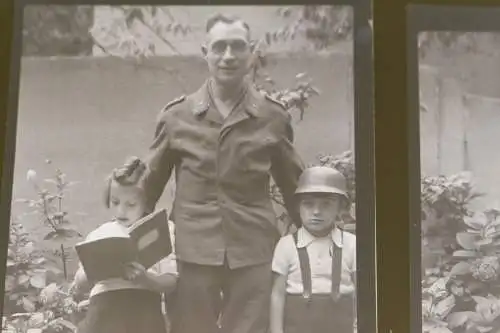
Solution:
(224, 141)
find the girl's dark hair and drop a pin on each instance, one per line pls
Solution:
(130, 174)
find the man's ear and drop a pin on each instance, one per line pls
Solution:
(204, 50)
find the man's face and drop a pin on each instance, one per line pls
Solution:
(228, 52)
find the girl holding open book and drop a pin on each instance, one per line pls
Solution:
(131, 303)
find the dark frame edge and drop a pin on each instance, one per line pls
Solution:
(391, 155)
(9, 144)
(414, 162)
(365, 166)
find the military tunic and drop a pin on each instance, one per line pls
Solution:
(222, 208)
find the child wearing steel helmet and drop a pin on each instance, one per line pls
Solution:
(315, 268)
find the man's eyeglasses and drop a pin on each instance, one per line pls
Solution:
(237, 46)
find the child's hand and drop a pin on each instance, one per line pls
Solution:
(135, 272)
(83, 305)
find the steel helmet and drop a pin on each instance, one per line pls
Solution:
(321, 179)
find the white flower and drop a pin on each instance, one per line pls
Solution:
(486, 269)
(31, 175)
(49, 293)
(36, 319)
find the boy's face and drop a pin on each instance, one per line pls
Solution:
(319, 212)
(126, 203)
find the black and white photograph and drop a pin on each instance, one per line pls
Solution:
(191, 169)
(459, 89)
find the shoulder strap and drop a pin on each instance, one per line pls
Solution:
(305, 269)
(173, 102)
(160, 123)
(275, 101)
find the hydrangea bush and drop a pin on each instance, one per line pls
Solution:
(460, 264)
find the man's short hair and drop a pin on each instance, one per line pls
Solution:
(228, 19)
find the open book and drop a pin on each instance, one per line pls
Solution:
(108, 248)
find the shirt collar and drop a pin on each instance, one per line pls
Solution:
(249, 99)
(305, 238)
(210, 92)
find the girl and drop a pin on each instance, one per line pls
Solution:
(131, 303)
(314, 284)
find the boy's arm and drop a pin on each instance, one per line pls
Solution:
(280, 267)
(354, 267)
(278, 295)
(355, 298)
(355, 283)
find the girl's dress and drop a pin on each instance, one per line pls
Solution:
(319, 313)
(121, 306)
(124, 311)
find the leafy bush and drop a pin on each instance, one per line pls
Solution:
(460, 259)
(35, 300)
(37, 297)
(52, 30)
(25, 274)
(322, 26)
(445, 203)
(119, 37)
(48, 206)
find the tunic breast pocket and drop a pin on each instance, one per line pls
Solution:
(256, 155)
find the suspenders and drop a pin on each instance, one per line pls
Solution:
(305, 269)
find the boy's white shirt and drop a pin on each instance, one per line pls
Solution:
(286, 261)
(166, 265)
